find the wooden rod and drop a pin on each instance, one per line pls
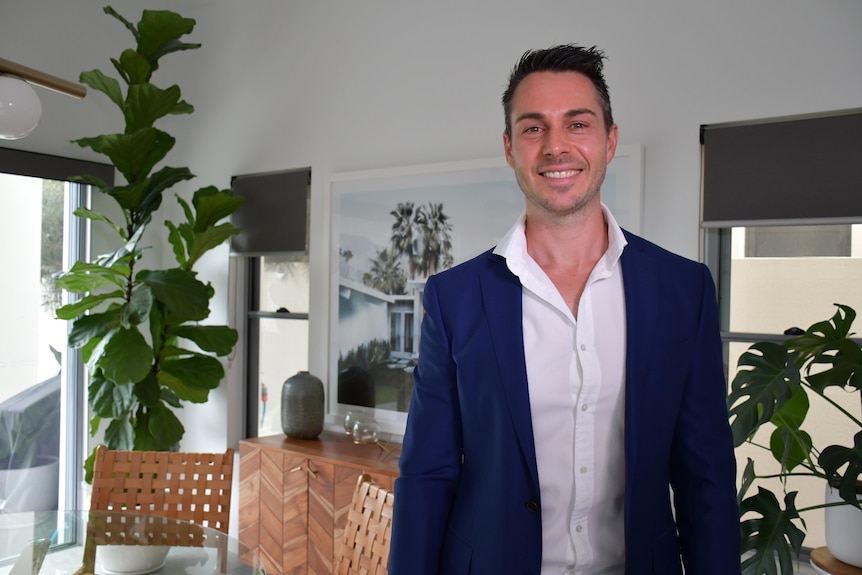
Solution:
(42, 79)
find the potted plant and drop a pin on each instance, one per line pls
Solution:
(772, 389)
(138, 329)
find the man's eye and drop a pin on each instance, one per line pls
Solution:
(532, 129)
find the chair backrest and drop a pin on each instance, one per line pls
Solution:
(364, 548)
(193, 487)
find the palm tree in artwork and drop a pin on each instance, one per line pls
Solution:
(346, 255)
(385, 274)
(403, 240)
(436, 238)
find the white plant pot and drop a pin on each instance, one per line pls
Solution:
(30, 488)
(843, 527)
(131, 559)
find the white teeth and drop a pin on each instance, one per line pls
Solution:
(566, 174)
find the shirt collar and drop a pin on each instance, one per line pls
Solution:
(513, 246)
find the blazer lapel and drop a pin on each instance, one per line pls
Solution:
(501, 298)
(640, 284)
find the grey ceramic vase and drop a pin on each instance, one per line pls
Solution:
(302, 406)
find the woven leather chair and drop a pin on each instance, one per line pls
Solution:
(192, 487)
(364, 549)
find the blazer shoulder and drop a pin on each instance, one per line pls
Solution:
(470, 269)
(644, 248)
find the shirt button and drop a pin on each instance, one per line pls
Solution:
(584, 469)
(584, 407)
(583, 347)
(578, 528)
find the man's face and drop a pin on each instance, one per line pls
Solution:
(559, 146)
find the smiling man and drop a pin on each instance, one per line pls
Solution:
(568, 414)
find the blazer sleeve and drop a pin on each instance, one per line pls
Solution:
(431, 453)
(703, 465)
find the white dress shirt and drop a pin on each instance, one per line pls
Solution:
(576, 374)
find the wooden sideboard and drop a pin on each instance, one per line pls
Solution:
(294, 495)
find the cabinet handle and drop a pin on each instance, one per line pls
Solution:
(310, 471)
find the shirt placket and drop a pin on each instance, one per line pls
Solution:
(585, 398)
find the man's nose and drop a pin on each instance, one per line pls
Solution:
(555, 142)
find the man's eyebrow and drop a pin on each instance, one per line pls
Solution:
(569, 114)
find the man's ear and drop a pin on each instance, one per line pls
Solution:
(507, 148)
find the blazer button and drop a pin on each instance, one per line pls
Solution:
(532, 507)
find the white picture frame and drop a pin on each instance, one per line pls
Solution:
(374, 329)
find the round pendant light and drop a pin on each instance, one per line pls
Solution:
(20, 108)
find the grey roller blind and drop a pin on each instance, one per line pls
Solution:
(274, 216)
(49, 167)
(783, 170)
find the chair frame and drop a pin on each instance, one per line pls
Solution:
(364, 549)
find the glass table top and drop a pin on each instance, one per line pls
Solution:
(60, 543)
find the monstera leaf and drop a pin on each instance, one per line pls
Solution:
(756, 393)
(770, 534)
(834, 457)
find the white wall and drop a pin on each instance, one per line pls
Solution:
(349, 85)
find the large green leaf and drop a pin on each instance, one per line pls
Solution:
(159, 32)
(133, 154)
(771, 534)
(789, 444)
(97, 216)
(120, 435)
(148, 390)
(208, 239)
(834, 457)
(844, 358)
(191, 378)
(96, 325)
(822, 334)
(85, 277)
(108, 400)
(147, 103)
(73, 310)
(137, 310)
(109, 86)
(163, 426)
(756, 393)
(129, 197)
(127, 357)
(164, 179)
(213, 205)
(218, 339)
(185, 297)
(134, 68)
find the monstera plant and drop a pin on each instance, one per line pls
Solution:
(772, 389)
(138, 329)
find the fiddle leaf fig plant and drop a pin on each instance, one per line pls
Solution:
(772, 388)
(138, 329)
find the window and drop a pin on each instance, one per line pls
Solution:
(784, 246)
(270, 275)
(42, 391)
(277, 334)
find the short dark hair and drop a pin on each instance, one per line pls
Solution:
(562, 58)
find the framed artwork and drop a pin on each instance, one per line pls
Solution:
(389, 231)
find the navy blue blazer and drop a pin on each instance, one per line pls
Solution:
(467, 499)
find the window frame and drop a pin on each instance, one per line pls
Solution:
(73, 414)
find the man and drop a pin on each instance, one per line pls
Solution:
(568, 413)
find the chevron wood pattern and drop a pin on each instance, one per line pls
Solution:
(295, 494)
